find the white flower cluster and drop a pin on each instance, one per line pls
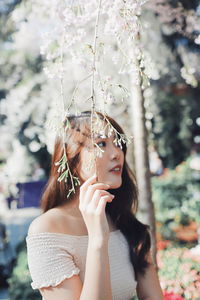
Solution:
(65, 31)
(94, 36)
(68, 34)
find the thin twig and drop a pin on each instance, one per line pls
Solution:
(93, 102)
(64, 161)
(76, 89)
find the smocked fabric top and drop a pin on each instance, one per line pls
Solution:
(53, 257)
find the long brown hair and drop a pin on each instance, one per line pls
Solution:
(122, 210)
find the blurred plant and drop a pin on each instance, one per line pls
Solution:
(177, 199)
(22, 111)
(171, 296)
(179, 273)
(20, 281)
(171, 100)
(172, 121)
(180, 24)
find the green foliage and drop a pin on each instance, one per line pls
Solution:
(176, 199)
(174, 122)
(20, 281)
(66, 174)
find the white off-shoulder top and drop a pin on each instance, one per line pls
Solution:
(53, 257)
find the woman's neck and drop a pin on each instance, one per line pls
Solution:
(72, 208)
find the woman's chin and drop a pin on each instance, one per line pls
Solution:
(114, 185)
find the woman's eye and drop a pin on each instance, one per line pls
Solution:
(101, 144)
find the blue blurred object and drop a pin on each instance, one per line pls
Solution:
(7, 257)
(30, 193)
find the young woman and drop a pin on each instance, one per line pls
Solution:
(90, 246)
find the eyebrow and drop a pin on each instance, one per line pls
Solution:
(101, 136)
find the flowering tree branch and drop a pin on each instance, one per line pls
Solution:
(119, 23)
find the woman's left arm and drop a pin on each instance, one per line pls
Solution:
(148, 287)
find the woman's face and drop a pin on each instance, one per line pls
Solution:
(108, 167)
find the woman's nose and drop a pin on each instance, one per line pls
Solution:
(115, 153)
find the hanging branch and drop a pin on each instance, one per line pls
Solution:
(64, 169)
(75, 91)
(98, 125)
(63, 164)
(62, 72)
(93, 102)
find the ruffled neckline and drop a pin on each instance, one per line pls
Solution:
(65, 235)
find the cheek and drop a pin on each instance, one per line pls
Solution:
(101, 162)
(87, 164)
(123, 157)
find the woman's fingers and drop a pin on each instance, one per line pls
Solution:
(88, 182)
(98, 194)
(92, 189)
(92, 201)
(89, 187)
(102, 204)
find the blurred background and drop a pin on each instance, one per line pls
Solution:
(28, 90)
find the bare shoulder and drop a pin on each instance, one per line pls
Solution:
(49, 221)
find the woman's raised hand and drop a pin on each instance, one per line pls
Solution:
(92, 202)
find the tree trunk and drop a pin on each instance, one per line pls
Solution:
(137, 115)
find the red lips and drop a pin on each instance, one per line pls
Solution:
(117, 166)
